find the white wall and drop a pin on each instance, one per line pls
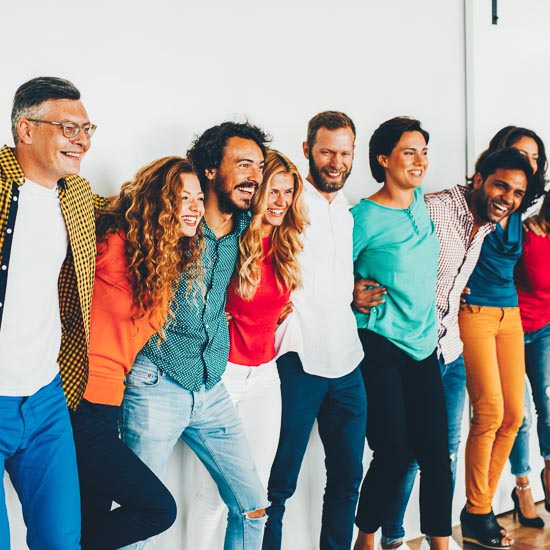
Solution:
(153, 74)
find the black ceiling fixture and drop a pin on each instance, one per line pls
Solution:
(495, 15)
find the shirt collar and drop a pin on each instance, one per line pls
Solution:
(10, 167)
(460, 193)
(13, 171)
(240, 222)
(313, 192)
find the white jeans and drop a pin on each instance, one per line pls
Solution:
(257, 397)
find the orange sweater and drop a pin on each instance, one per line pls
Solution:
(115, 339)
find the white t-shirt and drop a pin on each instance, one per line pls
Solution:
(30, 335)
(322, 328)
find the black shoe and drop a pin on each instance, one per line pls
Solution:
(481, 530)
(546, 505)
(536, 522)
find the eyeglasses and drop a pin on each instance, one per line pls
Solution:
(70, 129)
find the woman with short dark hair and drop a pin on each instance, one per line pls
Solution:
(396, 245)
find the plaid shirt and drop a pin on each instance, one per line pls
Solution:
(76, 279)
(458, 256)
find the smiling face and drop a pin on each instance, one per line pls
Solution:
(48, 155)
(278, 201)
(499, 195)
(405, 167)
(239, 174)
(192, 204)
(528, 146)
(330, 158)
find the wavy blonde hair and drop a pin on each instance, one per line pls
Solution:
(285, 243)
(147, 210)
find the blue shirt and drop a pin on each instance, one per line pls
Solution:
(399, 249)
(492, 282)
(196, 347)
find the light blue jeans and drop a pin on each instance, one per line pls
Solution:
(157, 411)
(453, 376)
(537, 365)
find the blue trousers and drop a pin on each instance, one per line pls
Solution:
(339, 404)
(157, 411)
(537, 365)
(37, 451)
(109, 471)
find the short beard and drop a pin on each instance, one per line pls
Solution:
(225, 202)
(481, 204)
(321, 183)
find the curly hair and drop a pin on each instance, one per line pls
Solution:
(147, 210)
(207, 150)
(285, 243)
(508, 137)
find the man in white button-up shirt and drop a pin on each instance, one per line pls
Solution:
(320, 378)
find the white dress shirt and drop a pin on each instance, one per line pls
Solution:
(322, 328)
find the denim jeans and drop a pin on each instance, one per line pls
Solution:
(256, 392)
(37, 451)
(453, 376)
(339, 405)
(108, 472)
(537, 365)
(157, 411)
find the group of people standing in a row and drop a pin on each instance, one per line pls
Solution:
(223, 300)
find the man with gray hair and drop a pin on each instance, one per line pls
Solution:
(47, 261)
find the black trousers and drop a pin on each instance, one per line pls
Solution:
(109, 471)
(406, 419)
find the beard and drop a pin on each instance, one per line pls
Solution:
(226, 203)
(322, 182)
(483, 208)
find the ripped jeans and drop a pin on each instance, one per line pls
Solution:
(157, 411)
(537, 365)
(453, 376)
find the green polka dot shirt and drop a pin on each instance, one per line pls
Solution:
(197, 341)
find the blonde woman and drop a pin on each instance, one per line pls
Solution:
(267, 271)
(146, 237)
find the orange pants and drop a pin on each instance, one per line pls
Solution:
(495, 376)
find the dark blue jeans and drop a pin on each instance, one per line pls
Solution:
(453, 376)
(339, 404)
(109, 471)
(537, 365)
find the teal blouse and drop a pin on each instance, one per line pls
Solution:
(399, 249)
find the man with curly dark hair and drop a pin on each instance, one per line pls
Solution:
(174, 388)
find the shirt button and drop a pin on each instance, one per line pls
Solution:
(4, 267)
(1, 304)
(15, 199)
(8, 230)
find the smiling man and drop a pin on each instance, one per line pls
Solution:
(174, 389)
(320, 377)
(47, 259)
